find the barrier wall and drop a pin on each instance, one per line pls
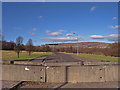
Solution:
(112, 73)
(23, 73)
(28, 63)
(100, 63)
(86, 74)
(57, 64)
(72, 74)
(56, 74)
(63, 64)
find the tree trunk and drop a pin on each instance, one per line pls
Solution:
(29, 53)
(18, 54)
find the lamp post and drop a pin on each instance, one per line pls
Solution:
(77, 44)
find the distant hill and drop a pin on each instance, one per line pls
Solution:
(82, 45)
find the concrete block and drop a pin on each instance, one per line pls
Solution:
(63, 64)
(86, 74)
(56, 74)
(5, 61)
(100, 63)
(112, 73)
(28, 63)
(23, 73)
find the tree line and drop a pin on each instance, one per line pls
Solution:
(111, 50)
(18, 45)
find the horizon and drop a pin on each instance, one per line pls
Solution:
(49, 22)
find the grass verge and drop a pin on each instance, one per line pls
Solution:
(96, 57)
(12, 55)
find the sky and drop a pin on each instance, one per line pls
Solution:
(56, 22)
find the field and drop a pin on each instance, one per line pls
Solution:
(12, 55)
(96, 57)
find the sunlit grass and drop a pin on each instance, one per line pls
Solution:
(97, 57)
(12, 55)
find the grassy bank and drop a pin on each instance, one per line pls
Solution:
(12, 55)
(96, 57)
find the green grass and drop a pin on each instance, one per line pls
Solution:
(96, 57)
(12, 55)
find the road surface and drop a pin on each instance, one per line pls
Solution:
(60, 57)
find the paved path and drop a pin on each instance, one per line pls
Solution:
(60, 57)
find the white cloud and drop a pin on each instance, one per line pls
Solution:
(114, 18)
(96, 37)
(114, 27)
(92, 8)
(70, 34)
(112, 37)
(57, 33)
(61, 39)
(34, 29)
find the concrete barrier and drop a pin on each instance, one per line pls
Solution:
(57, 64)
(71, 74)
(112, 73)
(56, 74)
(100, 63)
(28, 63)
(64, 64)
(86, 74)
(23, 73)
(5, 62)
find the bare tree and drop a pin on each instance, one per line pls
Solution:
(18, 45)
(29, 46)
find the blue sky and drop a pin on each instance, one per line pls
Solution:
(46, 22)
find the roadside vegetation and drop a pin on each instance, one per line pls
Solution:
(11, 55)
(21, 51)
(95, 57)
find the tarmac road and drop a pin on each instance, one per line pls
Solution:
(60, 57)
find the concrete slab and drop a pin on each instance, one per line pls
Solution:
(86, 74)
(23, 73)
(39, 85)
(9, 84)
(56, 74)
(92, 85)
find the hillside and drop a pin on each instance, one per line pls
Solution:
(82, 44)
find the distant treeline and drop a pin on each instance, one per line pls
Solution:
(111, 50)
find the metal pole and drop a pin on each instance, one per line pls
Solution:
(77, 45)
(53, 46)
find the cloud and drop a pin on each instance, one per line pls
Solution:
(57, 33)
(114, 18)
(96, 37)
(40, 17)
(115, 27)
(61, 39)
(34, 29)
(69, 34)
(112, 37)
(92, 8)
(32, 33)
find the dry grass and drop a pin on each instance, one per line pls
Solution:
(12, 55)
